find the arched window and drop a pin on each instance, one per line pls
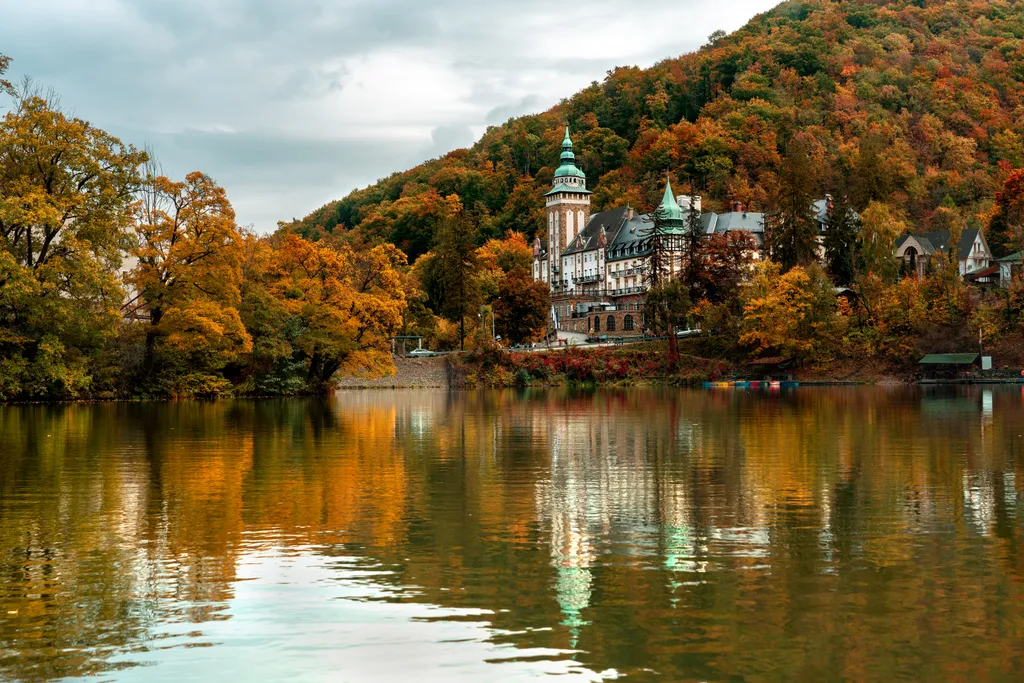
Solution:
(597, 324)
(611, 323)
(627, 323)
(911, 255)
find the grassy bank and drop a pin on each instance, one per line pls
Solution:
(639, 364)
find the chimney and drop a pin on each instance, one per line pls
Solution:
(738, 206)
(683, 201)
(629, 212)
(536, 247)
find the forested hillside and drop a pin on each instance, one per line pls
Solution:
(916, 103)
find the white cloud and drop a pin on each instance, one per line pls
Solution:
(291, 105)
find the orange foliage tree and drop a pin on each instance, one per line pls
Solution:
(187, 279)
(334, 306)
(521, 307)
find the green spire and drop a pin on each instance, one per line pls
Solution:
(669, 210)
(568, 166)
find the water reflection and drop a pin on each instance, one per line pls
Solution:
(853, 534)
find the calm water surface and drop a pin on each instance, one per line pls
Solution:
(817, 535)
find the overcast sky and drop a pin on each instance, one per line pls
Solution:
(290, 104)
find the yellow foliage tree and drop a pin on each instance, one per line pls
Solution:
(66, 193)
(880, 226)
(899, 313)
(188, 275)
(790, 313)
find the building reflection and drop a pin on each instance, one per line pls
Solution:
(576, 520)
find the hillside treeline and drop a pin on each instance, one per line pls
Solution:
(913, 103)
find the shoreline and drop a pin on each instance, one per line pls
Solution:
(520, 370)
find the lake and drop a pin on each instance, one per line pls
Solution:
(816, 534)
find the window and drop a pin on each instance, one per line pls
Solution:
(611, 323)
(627, 323)
(597, 324)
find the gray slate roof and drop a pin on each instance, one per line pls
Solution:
(628, 238)
(586, 240)
(821, 211)
(631, 240)
(938, 241)
(734, 220)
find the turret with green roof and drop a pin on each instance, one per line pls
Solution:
(568, 176)
(669, 213)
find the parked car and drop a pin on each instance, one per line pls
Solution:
(421, 353)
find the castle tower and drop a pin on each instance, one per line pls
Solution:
(568, 208)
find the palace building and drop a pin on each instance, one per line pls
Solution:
(596, 265)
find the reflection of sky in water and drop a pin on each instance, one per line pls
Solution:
(302, 616)
(454, 539)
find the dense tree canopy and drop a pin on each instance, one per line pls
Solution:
(920, 99)
(1006, 235)
(116, 281)
(66, 208)
(187, 276)
(908, 113)
(318, 308)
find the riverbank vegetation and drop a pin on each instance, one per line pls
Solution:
(636, 364)
(116, 281)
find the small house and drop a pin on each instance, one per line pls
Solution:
(1010, 267)
(973, 254)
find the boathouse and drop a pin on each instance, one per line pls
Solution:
(950, 365)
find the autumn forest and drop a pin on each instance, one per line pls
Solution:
(116, 281)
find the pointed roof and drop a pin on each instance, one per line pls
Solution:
(568, 166)
(938, 241)
(669, 209)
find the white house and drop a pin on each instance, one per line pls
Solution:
(973, 254)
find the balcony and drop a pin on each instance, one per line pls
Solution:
(587, 279)
(629, 272)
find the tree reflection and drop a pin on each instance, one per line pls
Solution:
(864, 534)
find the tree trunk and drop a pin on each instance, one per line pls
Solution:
(149, 360)
(462, 310)
(673, 346)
